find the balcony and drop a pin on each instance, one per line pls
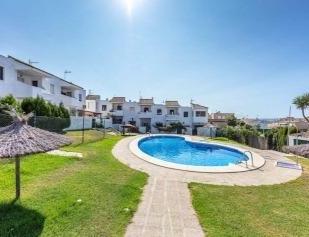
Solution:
(144, 115)
(70, 101)
(25, 90)
(116, 112)
(172, 117)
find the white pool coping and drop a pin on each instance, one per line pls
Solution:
(258, 161)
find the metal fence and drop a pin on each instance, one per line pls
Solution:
(51, 124)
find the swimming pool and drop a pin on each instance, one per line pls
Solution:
(184, 152)
(177, 150)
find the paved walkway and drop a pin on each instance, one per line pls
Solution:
(166, 208)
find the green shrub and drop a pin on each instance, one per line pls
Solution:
(8, 102)
(42, 108)
(48, 116)
(239, 133)
(51, 124)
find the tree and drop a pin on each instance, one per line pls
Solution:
(302, 103)
(178, 127)
(64, 113)
(42, 108)
(232, 121)
(8, 102)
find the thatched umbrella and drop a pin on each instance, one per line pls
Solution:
(20, 139)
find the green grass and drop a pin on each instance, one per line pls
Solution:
(92, 196)
(272, 210)
(89, 136)
(225, 140)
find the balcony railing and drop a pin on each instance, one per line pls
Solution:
(172, 116)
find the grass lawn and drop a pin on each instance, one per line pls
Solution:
(89, 136)
(92, 196)
(272, 210)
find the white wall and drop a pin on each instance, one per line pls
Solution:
(200, 120)
(77, 123)
(206, 131)
(20, 90)
(132, 110)
(293, 139)
(91, 105)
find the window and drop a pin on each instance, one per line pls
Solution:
(117, 120)
(146, 109)
(186, 114)
(80, 97)
(200, 114)
(159, 111)
(103, 107)
(52, 88)
(35, 83)
(119, 107)
(172, 112)
(20, 77)
(1, 73)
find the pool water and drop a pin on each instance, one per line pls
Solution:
(177, 150)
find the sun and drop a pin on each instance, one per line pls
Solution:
(130, 4)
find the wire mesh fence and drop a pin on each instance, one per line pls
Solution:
(51, 124)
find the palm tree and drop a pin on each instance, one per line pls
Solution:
(302, 102)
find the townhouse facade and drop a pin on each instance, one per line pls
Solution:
(146, 115)
(22, 80)
(219, 119)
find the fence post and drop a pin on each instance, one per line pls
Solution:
(83, 130)
(34, 120)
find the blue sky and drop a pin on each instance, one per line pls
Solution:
(249, 57)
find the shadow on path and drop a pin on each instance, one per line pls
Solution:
(18, 221)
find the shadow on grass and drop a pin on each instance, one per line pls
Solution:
(16, 220)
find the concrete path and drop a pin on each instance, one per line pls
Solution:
(166, 208)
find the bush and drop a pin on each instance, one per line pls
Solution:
(5, 120)
(51, 124)
(47, 116)
(277, 137)
(239, 133)
(42, 108)
(8, 102)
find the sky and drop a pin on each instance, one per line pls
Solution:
(248, 57)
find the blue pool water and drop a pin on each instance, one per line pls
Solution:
(177, 150)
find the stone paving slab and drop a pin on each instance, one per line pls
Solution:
(165, 210)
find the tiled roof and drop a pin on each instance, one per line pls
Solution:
(118, 100)
(146, 101)
(172, 103)
(93, 97)
(197, 106)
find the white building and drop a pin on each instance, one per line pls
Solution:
(299, 139)
(146, 115)
(23, 80)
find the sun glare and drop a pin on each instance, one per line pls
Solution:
(130, 5)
